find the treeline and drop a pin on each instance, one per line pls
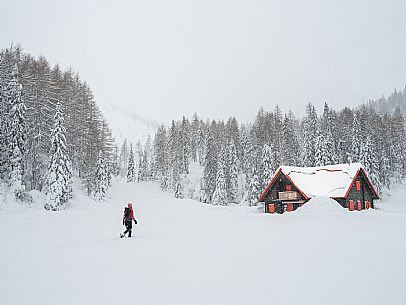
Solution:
(51, 128)
(240, 159)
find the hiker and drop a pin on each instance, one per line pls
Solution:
(128, 218)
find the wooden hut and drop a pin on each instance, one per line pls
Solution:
(291, 187)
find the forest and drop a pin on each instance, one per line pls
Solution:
(240, 159)
(52, 131)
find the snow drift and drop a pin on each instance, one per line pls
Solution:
(321, 206)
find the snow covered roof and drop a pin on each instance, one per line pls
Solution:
(332, 180)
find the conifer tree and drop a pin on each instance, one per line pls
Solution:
(369, 160)
(131, 167)
(344, 138)
(6, 76)
(268, 164)
(101, 178)
(59, 178)
(174, 159)
(17, 133)
(194, 137)
(254, 189)
(321, 157)
(232, 179)
(309, 135)
(220, 192)
(184, 149)
(397, 146)
(201, 143)
(384, 171)
(210, 167)
(289, 141)
(123, 158)
(356, 142)
(327, 129)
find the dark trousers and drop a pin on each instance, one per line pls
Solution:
(129, 226)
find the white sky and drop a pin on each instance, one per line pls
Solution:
(219, 58)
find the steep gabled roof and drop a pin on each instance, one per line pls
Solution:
(333, 181)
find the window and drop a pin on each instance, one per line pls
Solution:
(359, 206)
(288, 187)
(351, 205)
(358, 185)
(367, 205)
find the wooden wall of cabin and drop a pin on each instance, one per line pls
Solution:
(364, 194)
(341, 201)
(279, 185)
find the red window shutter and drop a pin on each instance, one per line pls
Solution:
(358, 185)
(351, 205)
(289, 207)
(271, 208)
(359, 207)
(288, 187)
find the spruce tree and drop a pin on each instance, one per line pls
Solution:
(369, 160)
(268, 165)
(6, 64)
(131, 167)
(184, 149)
(290, 141)
(174, 158)
(397, 146)
(220, 192)
(309, 135)
(101, 178)
(254, 189)
(328, 130)
(59, 179)
(17, 134)
(232, 179)
(123, 158)
(194, 137)
(201, 143)
(210, 167)
(356, 139)
(321, 156)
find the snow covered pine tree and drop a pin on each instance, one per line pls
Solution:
(16, 135)
(131, 167)
(59, 179)
(101, 178)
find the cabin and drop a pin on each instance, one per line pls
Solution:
(291, 187)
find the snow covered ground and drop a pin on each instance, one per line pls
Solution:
(185, 252)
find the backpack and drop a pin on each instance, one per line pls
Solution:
(127, 213)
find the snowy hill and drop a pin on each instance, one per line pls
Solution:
(128, 125)
(185, 252)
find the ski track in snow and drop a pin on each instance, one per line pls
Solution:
(185, 252)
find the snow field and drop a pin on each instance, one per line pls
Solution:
(185, 252)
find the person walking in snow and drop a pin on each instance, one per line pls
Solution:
(128, 218)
